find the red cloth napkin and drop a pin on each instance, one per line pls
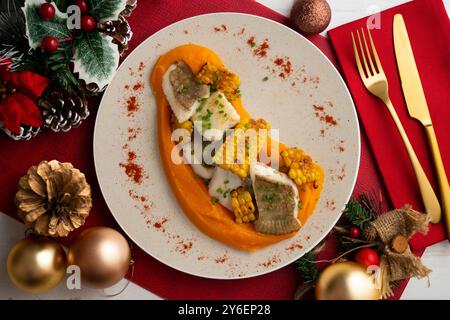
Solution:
(429, 30)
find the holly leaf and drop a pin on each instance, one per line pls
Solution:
(37, 29)
(103, 10)
(96, 58)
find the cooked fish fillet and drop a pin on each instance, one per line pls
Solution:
(182, 90)
(221, 185)
(277, 200)
(215, 116)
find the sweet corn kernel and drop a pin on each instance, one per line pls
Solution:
(243, 207)
(251, 149)
(299, 166)
(221, 78)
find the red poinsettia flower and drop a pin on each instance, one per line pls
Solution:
(19, 91)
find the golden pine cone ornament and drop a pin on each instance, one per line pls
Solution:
(53, 198)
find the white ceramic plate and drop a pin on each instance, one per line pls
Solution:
(149, 213)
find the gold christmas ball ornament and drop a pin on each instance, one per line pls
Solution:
(53, 198)
(346, 281)
(311, 16)
(103, 256)
(36, 264)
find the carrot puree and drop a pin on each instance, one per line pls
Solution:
(212, 219)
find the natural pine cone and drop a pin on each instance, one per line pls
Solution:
(63, 110)
(26, 133)
(119, 30)
(53, 198)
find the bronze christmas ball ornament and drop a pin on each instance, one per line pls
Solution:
(36, 264)
(103, 256)
(311, 16)
(346, 281)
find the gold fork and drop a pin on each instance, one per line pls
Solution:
(375, 81)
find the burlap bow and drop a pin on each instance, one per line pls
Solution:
(394, 229)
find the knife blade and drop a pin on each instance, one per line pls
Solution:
(418, 109)
(409, 75)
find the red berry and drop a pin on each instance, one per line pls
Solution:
(88, 23)
(354, 232)
(83, 5)
(50, 44)
(47, 11)
(367, 257)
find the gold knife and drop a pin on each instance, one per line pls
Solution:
(418, 108)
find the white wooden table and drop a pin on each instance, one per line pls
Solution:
(436, 257)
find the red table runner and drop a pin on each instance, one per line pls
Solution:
(76, 147)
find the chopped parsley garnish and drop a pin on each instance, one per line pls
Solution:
(226, 181)
(265, 78)
(223, 193)
(219, 190)
(221, 111)
(183, 89)
(207, 116)
(268, 197)
(214, 200)
(299, 205)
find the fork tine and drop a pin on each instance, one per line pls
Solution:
(369, 56)
(358, 61)
(375, 54)
(361, 49)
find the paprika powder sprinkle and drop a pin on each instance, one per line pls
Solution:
(132, 105)
(138, 86)
(323, 116)
(261, 50)
(134, 171)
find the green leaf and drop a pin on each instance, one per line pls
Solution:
(102, 10)
(37, 29)
(96, 58)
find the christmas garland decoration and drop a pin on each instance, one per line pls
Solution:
(53, 56)
(377, 242)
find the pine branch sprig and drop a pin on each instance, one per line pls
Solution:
(307, 267)
(357, 214)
